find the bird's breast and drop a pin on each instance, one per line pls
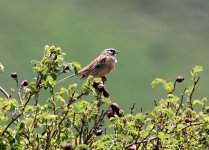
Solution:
(111, 62)
(109, 66)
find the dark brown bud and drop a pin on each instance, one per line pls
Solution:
(95, 85)
(25, 83)
(110, 113)
(98, 132)
(184, 132)
(119, 114)
(68, 147)
(67, 68)
(115, 107)
(207, 110)
(187, 120)
(14, 75)
(106, 93)
(132, 147)
(101, 87)
(179, 79)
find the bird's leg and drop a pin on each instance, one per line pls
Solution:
(104, 79)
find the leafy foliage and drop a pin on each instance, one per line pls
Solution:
(67, 121)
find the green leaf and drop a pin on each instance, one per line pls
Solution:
(135, 132)
(171, 96)
(129, 115)
(28, 120)
(139, 116)
(72, 86)
(59, 98)
(81, 104)
(204, 99)
(50, 81)
(51, 48)
(22, 126)
(168, 86)
(76, 66)
(196, 70)
(161, 135)
(28, 108)
(62, 91)
(189, 90)
(169, 112)
(106, 101)
(4, 118)
(156, 82)
(179, 138)
(13, 104)
(131, 123)
(179, 127)
(197, 102)
(206, 119)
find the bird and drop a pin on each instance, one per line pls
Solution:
(99, 67)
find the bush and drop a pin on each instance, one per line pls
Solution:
(67, 121)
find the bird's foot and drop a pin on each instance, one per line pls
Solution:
(104, 79)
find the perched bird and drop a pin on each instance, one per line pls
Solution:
(99, 67)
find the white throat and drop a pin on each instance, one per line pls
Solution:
(116, 60)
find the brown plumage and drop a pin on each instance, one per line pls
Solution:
(99, 67)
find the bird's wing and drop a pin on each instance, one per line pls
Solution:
(94, 67)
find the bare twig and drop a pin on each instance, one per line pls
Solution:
(174, 87)
(27, 137)
(142, 141)
(193, 124)
(19, 88)
(48, 137)
(192, 92)
(154, 102)
(129, 145)
(68, 77)
(4, 92)
(19, 94)
(132, 108)
(10, 123)
(81, 130)
(182, 98)
(37, 139)
(79, 96)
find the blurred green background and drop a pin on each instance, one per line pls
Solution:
(161, 38)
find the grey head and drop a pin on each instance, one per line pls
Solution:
(110, 52)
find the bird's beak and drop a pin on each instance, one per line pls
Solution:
(116, 51)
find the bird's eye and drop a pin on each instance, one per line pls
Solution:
(111, 51)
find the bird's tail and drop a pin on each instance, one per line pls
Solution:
(65, 78)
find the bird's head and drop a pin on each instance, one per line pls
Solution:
(110, 52)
